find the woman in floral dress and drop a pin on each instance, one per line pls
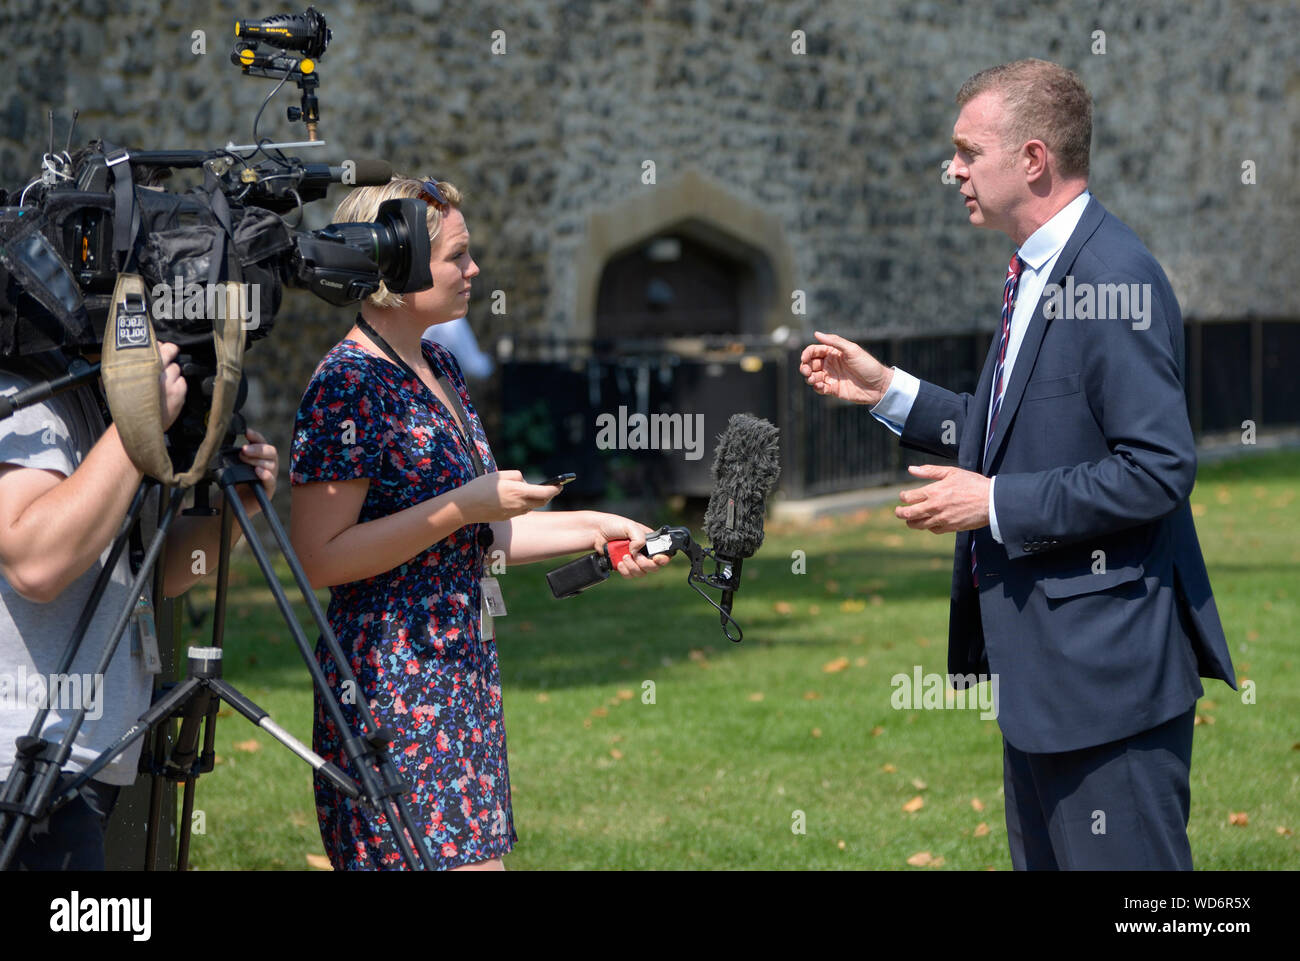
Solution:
(397, 501)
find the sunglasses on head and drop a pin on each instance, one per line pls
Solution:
(431, 194)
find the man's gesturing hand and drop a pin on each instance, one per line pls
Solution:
(957, 501)
(842, 369)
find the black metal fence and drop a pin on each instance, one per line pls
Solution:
(578, 405)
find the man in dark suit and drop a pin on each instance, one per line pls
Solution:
(1078, 578)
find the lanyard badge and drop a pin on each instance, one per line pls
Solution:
(145, 644)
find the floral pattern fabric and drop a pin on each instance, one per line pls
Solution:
(411, 634)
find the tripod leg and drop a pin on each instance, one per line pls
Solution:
(392, 792)
(43, 784)
(263, 720)
(183, 753)
(187, 815)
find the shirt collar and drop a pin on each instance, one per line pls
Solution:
(1046, 242)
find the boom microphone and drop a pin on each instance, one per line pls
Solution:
(745, 469)
(281, 187)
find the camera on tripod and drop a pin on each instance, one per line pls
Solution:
(98, 258)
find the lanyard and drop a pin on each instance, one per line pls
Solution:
(479, 467)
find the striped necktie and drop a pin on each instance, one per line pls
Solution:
(1008, 305)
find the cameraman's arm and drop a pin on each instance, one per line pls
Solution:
(58, 512)
(54, 527)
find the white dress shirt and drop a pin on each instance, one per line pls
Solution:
(1039, 252)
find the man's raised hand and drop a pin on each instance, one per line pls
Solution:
(840, 368)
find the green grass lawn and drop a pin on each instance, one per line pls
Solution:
(794, 726)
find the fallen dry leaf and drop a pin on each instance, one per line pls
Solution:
(810, 695)
(914, 805)
(877, 731)
(782, 607)
(543, 697)
(1238, 818)
(251, 745)
(320, 862)
(852, 606)
(1203, 719)
(920, 859)
(977, 804)
(1285, 831)
(616, 754)
(889, 769)
(625, 694)
(918, 784)
(841, 845)
(981, 829)
(756, 696)
(600, 712)
(816, 732)
(859, 662)
(839, 664)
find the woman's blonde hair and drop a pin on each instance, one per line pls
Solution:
(362, 205)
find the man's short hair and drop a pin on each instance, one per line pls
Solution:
(1044, 101)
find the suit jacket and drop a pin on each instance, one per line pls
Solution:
(1096, 612)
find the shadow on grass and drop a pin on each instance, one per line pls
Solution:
(620, 630)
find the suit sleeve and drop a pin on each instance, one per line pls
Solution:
(936, 420)
(1133, 380)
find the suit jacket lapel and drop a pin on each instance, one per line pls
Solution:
(977, 421)
(1028, 353)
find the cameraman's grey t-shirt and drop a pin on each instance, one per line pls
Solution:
(57, 435)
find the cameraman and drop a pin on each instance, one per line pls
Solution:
(66, 483)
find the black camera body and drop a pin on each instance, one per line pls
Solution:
(104, 211)
(60, 257)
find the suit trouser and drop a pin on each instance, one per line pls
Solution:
(1122, 805)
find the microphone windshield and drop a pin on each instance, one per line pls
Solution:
(745, 469)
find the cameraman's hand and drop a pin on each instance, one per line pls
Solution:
(500, 496)
(171, 383)
(842, 369)
(264, 458)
